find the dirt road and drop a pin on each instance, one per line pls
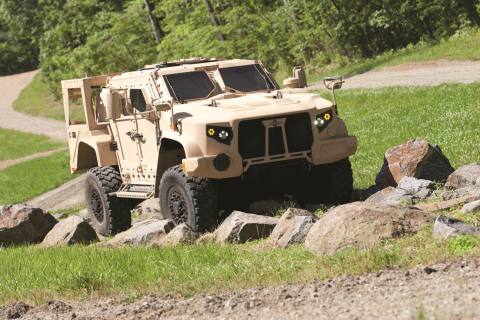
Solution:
(431, 73)
(443, 291)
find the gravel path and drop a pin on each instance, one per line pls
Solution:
(431, 73)
(444, 291)
(10, 88)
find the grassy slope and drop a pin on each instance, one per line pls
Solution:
(447, 115)
(82, 272)
(463, 46)
(16, 144)
(37, 100)
(26, 180)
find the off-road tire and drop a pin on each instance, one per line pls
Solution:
(110, 215)
(330, 183)
(188, 199)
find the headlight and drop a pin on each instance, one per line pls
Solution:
(323, 119)
(221, 134)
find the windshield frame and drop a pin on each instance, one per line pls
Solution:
(178, 97)
(270, 84)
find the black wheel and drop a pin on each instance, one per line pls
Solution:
(110, 215)
(188, 199)
(330, 183)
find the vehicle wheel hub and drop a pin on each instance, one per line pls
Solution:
(97, 206)
(177, 206)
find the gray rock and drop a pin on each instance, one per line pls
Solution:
(135, 221)
(447, 227)
(424, 193)
(472, 207)
(363, 225)
(464, 176)
(414, 185)
(20, 224)
(149, 208)
(181, 234)
(271, 206)
(145, 232)
(460, 193)
(84, 214)
(400, 196)
(70, 231)
(241, 227)
(60, 216)
(155, 217)
(292, 228)
(380, 195)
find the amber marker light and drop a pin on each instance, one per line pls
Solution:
(171, 126)
(183, 166)
(211, 132)
(327, 116)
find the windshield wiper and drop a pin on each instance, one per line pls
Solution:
(266, 82)
(179, 99)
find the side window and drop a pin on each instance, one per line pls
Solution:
(138, 100)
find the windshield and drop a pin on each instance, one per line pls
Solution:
(189, 85)
(246, 78)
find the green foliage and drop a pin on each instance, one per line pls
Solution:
(26, 180)
(463, 244)
(16, 144)
(37, 100)
(446, 115)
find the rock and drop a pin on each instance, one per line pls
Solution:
(292, 228)
(400, 196)
(447, 227)
(60, 216)
(155, 217)
(271, 206)
(446, 205)
(145, 232)
(69, 232)
(135, 221)
(241, 227)
(181, 234)
(363, 225)
(380, 195)
(424, 193)
(472, 207)
(20, 224)
(84, 214)
(149, 208)
(415, 158)
(464, 176)
(414, 185)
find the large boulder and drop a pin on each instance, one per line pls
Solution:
(363, 225)
(415, 158)
(465, 176)
(292, 228)
(143, 233)
(414, 185)
(241, 227)
(380, 195)
(448, 227)
(181, 234)
(69, 232)
(20, 224)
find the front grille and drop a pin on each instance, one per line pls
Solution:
(252, 136)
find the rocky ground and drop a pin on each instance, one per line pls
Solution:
(448, 290)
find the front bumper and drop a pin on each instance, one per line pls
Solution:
(324, 151)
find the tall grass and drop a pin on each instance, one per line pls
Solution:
(26, 180)
(36, 274)
(447, 115)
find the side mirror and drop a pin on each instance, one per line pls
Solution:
(333, 82)
(111, 102)
(162, 104)
(299, 73)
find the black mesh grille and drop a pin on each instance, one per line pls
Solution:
(251, 135)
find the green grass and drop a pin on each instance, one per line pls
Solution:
(37, 100)
(447, 115)
(34, 274)
(465, 45)
(15, 144)
(24, 181)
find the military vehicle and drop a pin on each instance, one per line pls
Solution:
(202, 134)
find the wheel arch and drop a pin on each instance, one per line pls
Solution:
(86, 157)
(171, 153)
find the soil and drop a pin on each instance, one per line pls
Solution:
(430, 73)
(448, 290)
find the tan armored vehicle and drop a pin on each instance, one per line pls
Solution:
(204, 135)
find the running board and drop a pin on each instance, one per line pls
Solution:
(136, 192)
